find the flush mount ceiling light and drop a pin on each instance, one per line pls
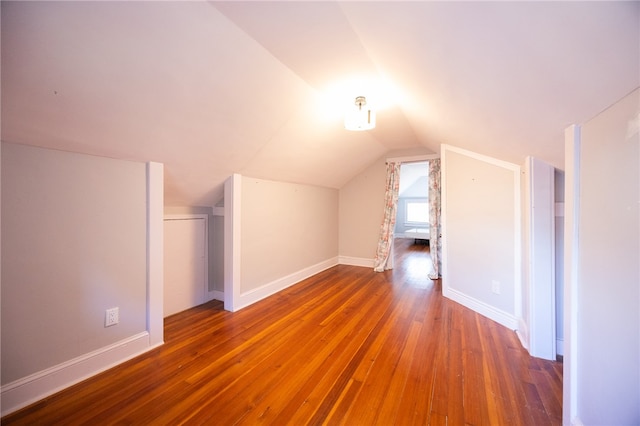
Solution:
(361, 117)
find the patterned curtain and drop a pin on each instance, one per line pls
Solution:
(384, 252)
(435, 242)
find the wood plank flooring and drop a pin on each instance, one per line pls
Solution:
(345, 347)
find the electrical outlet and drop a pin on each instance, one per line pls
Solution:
(495, 287)
(112, 317)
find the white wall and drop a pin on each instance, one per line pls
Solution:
(608, 290)
(277, 234)
(361, 210)
(74, 243)
(481, 233)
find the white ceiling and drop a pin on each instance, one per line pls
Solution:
(258, 88)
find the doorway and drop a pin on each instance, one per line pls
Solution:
(412, 226)
(412, 216)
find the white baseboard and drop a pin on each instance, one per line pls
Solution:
(356, 261)
(253, 296)
(216, 295)
(25, 391)
(523, 334)
(482, 308)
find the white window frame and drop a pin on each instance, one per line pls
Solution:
(410, 200)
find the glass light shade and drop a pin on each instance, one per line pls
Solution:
(360, 118)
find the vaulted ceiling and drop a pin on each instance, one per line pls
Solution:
(259, 88)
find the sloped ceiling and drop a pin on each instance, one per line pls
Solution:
(259, 88)
(412, 174)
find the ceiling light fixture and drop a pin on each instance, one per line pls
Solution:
(361, 117)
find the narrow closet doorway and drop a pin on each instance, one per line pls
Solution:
(185, 262)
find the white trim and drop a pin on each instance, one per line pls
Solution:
(517, 236)
(560, 347)
(273, 287)
(218, 211)
(155, 253)
(444, 244)
(523, 333)
(232, 234)
(216, 295)
(27, 390)
(570, 383)
(482, 308)
(186, 216)
(559, 209)
(412, 158)
(540, 257)
(356, 261)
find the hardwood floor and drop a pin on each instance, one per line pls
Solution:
(348, 346)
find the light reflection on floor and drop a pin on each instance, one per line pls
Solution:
(413, 262)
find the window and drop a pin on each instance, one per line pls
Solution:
(416, 212)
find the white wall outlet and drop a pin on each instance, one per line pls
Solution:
(112, 317)
(495, 287)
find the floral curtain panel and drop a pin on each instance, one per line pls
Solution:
(435, 242)
(384, 252)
